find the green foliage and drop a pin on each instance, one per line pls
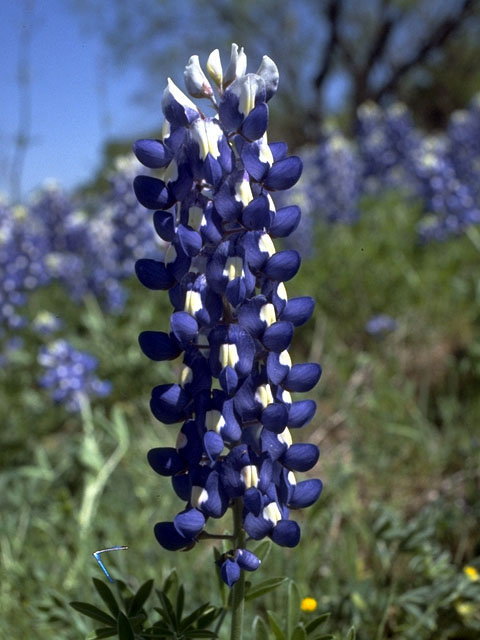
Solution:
(129, 619)
(385, 546)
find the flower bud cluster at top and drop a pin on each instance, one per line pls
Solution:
(232, 322)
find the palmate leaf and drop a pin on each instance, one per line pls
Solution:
(316, 622)
(180, 602)
(195, 616)
(167, 611)
(106, 595)
(171, 582)
(208, 617)
(124, 628)
(259, 629)
(159, 630)
(275, 626)
(299, 633)
(93, 612)
(139, 599)
(293, 608)
(264, 587)
(200, 633)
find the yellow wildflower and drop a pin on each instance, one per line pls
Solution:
(308, 604)
(471, 573)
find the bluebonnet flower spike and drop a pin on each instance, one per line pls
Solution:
(96, 555)
(232, 323)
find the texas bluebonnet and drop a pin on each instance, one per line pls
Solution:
(70, 375)
(232, 321)
(22, 263)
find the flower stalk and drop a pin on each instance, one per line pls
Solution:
(232, 321)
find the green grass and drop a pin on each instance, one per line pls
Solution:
(385, 546)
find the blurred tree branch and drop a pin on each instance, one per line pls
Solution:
(342, 48)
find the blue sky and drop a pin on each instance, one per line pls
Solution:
(66, 125)
(68, 110)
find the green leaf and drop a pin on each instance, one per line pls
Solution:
(167, 609)
(275, 626)
(180, 601)
(200, 633)
(106, 595)
(299, 633)
(139, 599)
(316, 622)
(264, 587)
(207, 618)
(352, 634)
(259, 629)
(93, 612)
(191, 619)
(171, 582)
(293, 608)
(324, 636)
(124, 629)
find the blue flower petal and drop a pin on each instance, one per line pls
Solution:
(275, 417)
(230, 572)
(256, 526)
(256, 214)
(165, 461)
(286, 533)
(184, 327)
(213, 444)
(285, 222)
(252, 500)
(182, 486)
(278, 336)
(164, 223)
(168, 403)
(158, 345)
(169, 538)
(255, 124)
(305, 493)
(247, 560)
(301, 456)
(282, 266)
(152, 193)
(189, 523)
(298, 310)
(153, 274)
(189, 240)
(279, 150)
(283, 174)
(152, 153)
(303, 377)
(300, 413)
(276, 371)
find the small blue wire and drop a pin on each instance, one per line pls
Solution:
(96, 555)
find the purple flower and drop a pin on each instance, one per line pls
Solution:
(232, 323)
(69, 375)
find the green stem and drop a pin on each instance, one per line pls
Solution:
(238, 589)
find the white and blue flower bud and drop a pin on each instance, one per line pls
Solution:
(269, 72)
(196, 81)
(178, 109)
(236, 67)
(214, 68)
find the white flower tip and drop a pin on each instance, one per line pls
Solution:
(214, 67)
